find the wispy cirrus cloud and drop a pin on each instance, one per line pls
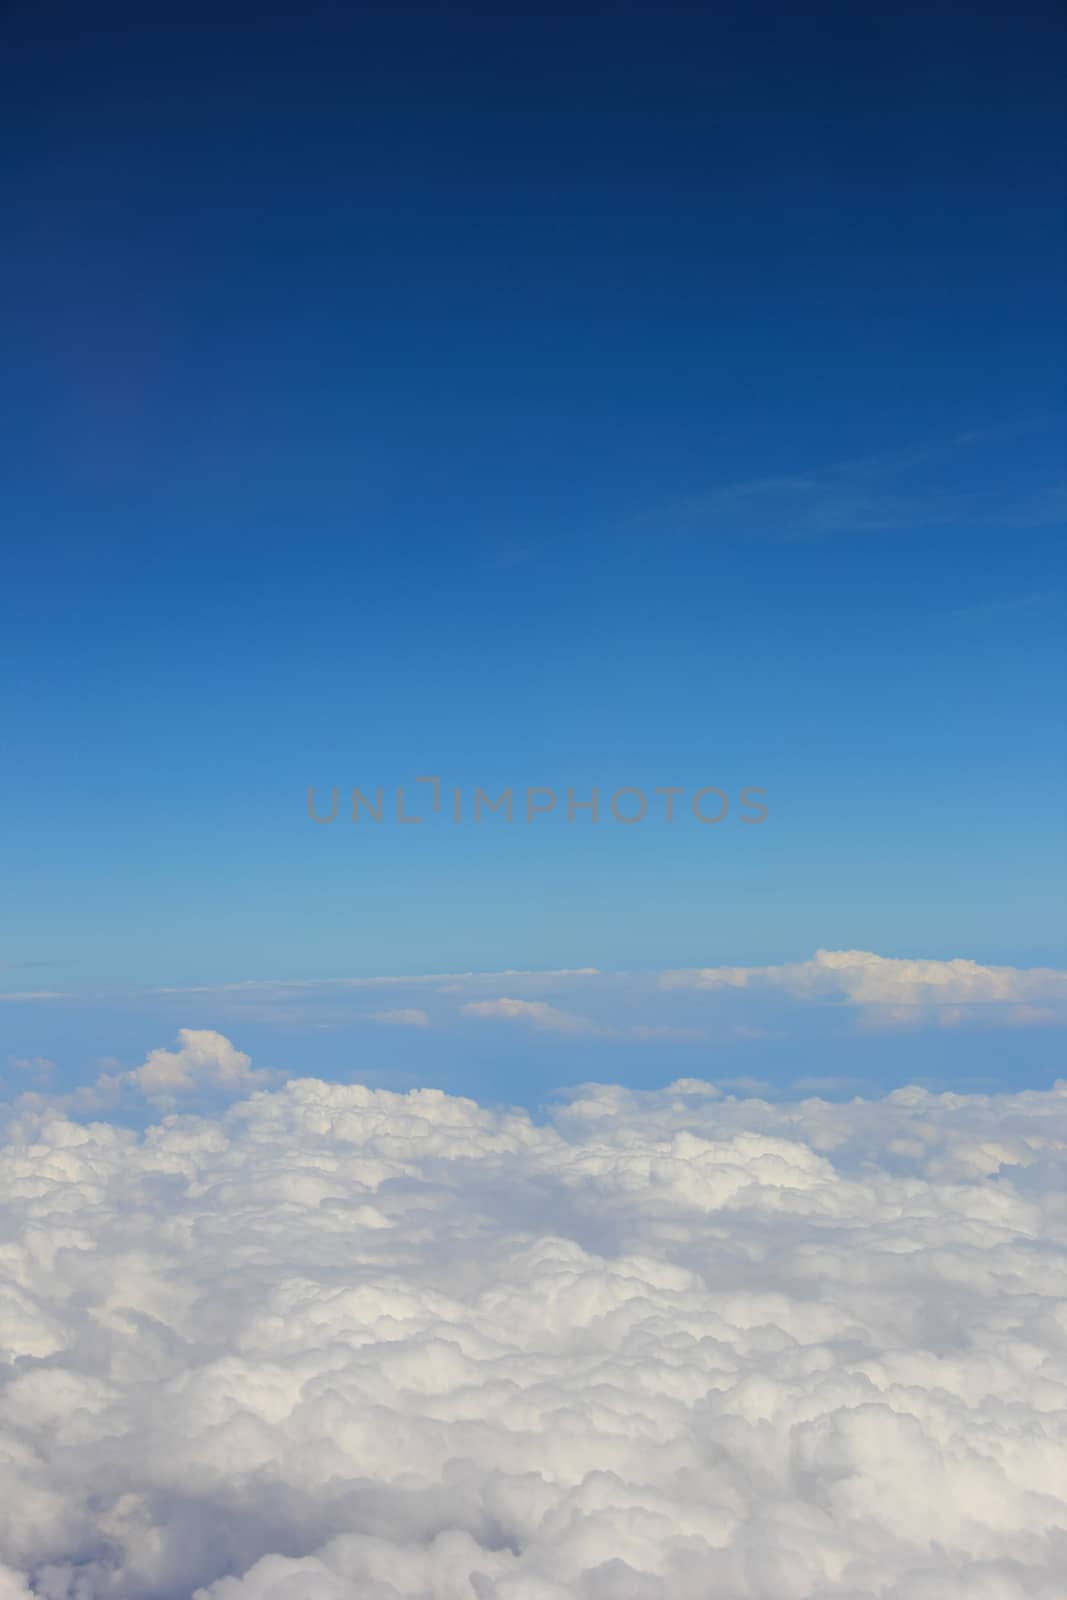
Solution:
(1003, 476)
(437, 980)
(28, 996)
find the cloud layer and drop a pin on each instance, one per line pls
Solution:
(344, 1344)
(880, 991)
(686, 1005)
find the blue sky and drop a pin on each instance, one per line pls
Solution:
(641, 397)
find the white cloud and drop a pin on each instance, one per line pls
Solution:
(405, 1017)
(898, 990)
(727, 1004)
(27, 997)
(662, 1032)
(204, 1057)
(454, 980)
(551, 1019)
(205, 1062)
(344, 1344)
(536, 1013)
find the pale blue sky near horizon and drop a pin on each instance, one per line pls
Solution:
(643, 397)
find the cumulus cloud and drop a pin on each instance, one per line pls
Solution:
(338, 1343)
(897, 990)
(203, 1057)
(205, 1062)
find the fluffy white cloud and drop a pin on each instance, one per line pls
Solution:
(205, 1064)
(345, 1344)
(204, 1060)
(204, 1057)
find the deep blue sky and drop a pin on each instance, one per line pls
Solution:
(633, 395)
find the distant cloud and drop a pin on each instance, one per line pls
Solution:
(204, 1058)
(537, 1013)
(29, 995)
(747, 1085)
(550, 1019)
(897, 991)
(829, 1084)
(457, 980)
(408, 1017)
(39, 1069)
(750, 1003)
(668, 1032)
(205, 1062)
